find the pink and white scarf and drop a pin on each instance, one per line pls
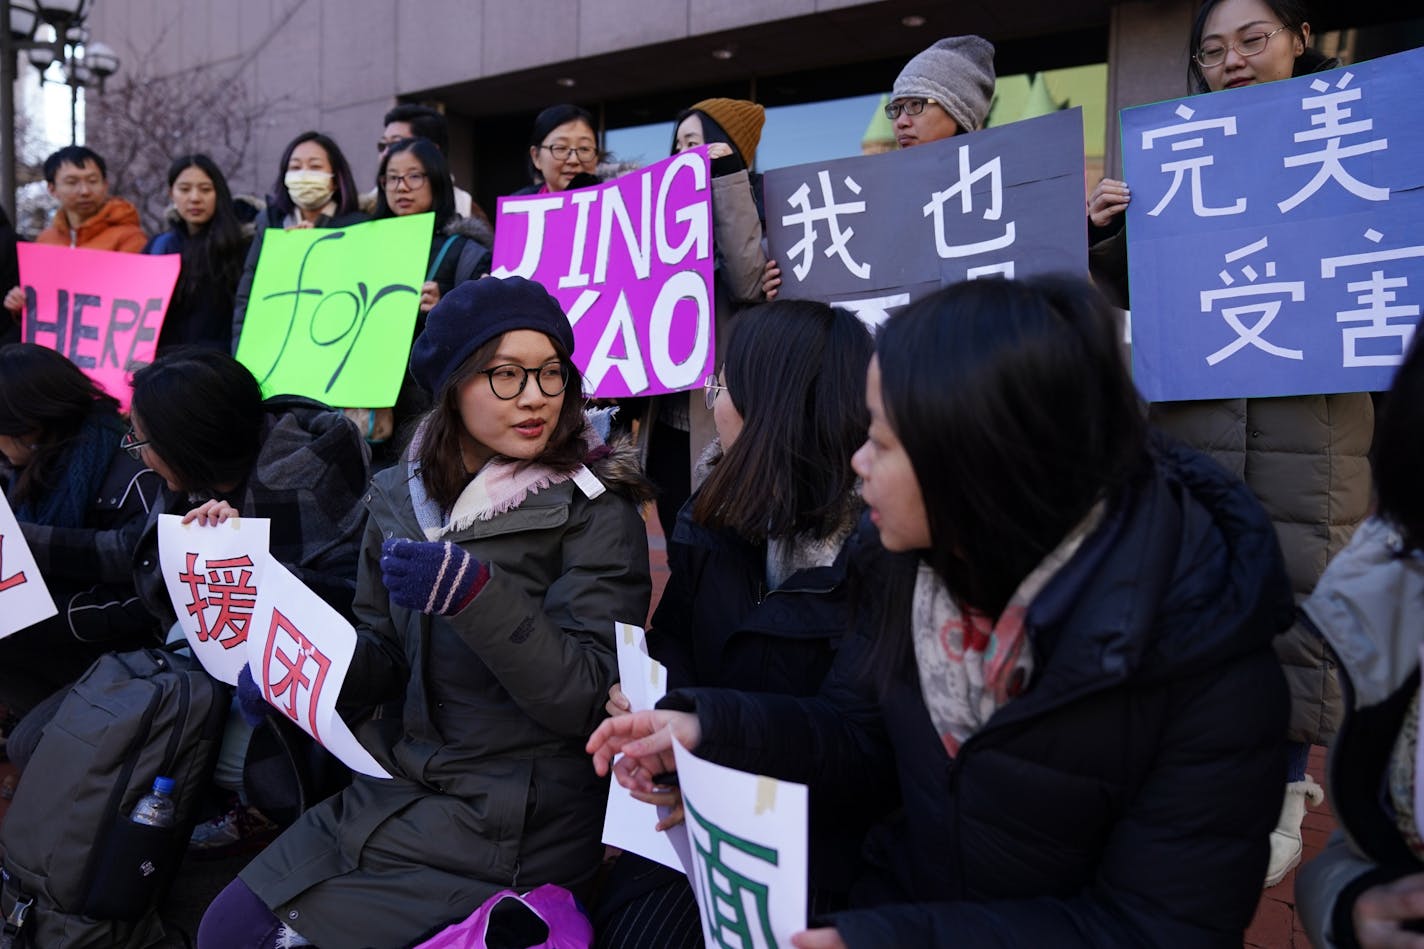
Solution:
(970, 665)
(500, 486)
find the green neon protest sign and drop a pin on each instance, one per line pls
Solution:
(333, 310)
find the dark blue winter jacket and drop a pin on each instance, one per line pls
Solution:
(1123, 799)
(718, 625)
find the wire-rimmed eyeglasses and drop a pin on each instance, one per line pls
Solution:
(132, 444)
(1249, 45)
(711, 389)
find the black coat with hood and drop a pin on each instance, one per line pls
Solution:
(717, 625)
(310, 472)
(459, 251)
(1123, 799)
(201, 315)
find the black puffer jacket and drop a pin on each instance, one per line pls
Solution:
(101, 550)
(1125, 798)
(718, 625)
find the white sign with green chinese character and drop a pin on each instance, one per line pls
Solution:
(748, 835)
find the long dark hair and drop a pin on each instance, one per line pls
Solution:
(201, 411)
(1293, 16)
(795, 371)
(346, 197)
(214, 255)
(46, 398)
(1014, 404)
(437, 179)
(550, 119)
(1398, 452)
(442, 465)
(712, 131)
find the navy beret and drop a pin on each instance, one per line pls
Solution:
(477, 311)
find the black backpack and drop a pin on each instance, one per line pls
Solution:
(77, 872)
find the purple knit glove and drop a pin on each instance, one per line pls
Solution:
(250, 702)
(435, 577)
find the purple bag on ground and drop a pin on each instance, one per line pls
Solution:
(546, 917)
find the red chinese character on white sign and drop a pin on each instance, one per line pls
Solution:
(293, 665)
(14, 580)
(229, 589)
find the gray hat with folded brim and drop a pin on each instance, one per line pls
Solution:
(958, 73)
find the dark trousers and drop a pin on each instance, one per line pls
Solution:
(237, 919)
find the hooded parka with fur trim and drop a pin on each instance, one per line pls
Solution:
(492, 787)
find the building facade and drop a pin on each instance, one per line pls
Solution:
(491, 65)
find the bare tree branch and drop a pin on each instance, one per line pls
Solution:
(143, 121)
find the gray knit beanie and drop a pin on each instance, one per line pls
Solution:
(958, 73)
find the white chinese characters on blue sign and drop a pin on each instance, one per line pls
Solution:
(1297, 265)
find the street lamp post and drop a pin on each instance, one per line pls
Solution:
(83, 63)
(17, 26)
(99, 63)
(19, 20)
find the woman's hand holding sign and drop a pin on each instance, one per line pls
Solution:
(1110, 198)
(211, 513)
(645, 741)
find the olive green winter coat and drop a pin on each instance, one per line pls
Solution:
(492, 787)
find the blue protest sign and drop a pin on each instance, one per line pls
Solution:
(876, 232)
(1276, 234)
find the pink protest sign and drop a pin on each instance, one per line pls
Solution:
(630, 261)
(100, 308)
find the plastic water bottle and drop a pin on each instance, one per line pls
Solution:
(156, 809)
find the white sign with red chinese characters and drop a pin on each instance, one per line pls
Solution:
(300, 650)
(24, 598)
(212, 574)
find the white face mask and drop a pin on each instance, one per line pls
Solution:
(308, 189)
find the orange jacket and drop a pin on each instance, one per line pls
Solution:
(115, 227)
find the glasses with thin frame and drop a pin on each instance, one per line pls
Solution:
(1249, 45)
(507, 381)
(711, 389)
(585, 153)
(912, 106)
(132, 444)
(413, 181)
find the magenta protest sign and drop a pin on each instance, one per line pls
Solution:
(100, 308)
(630, 261)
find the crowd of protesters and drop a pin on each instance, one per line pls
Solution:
(1050, 660)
